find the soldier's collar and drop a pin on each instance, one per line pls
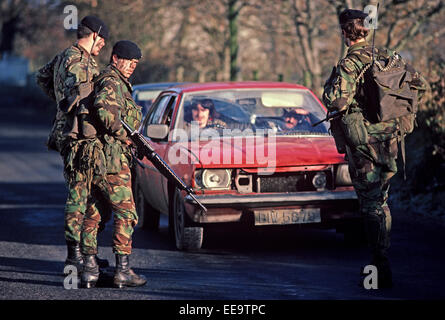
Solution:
(358, 45)
(85, 54)
(82, 49)
(125, 80)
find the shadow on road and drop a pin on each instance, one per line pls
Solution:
(242, 239)
(30, 281)
(21, 267)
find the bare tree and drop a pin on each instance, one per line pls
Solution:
(21, 19)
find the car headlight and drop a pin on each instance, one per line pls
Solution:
(343, 178)
(214, 178)
(319, 180)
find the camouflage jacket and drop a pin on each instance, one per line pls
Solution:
(60, 76)
(343, 91)
(114, 102)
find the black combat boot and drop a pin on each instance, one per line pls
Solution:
(90, 273)
(74, 256)
(124, 276)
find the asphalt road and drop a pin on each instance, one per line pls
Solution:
(235, 263)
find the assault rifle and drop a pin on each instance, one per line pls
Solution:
(329, 116)
(147, 150)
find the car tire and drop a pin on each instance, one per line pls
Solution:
(148, 218)
(187, 236)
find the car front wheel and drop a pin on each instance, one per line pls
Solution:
(187, 236)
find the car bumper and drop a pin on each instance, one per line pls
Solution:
(280, 199)
(334, 205)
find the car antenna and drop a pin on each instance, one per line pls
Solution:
(373, 34)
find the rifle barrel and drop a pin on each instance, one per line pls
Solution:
(160, 164)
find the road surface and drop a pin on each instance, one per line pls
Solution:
(235, 263)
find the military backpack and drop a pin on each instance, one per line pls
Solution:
(389, 89)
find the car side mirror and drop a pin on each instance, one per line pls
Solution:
(157, 131)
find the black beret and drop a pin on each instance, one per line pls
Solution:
(350, 14)
(126, 49)
(94, 23)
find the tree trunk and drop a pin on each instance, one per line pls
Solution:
(9, 31)
(306, 32)
(233, 39)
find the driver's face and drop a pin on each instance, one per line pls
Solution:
(290, 122)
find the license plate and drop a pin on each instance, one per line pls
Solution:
(287, 216)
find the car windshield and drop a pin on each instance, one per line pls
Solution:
(263, 111)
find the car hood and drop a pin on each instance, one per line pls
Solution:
(254, 152)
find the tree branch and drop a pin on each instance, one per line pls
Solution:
(415, 28)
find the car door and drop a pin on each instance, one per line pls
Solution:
(155, 184)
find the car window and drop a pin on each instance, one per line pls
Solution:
(157, 110)
(277, 111)
(168, 112)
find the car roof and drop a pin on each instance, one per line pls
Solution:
(156, 85)
(191, 87)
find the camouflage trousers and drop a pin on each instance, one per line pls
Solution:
(116, 188)
(79, 198)
(372, 168)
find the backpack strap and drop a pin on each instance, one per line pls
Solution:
(362, 56)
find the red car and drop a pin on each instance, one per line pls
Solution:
(250, 153)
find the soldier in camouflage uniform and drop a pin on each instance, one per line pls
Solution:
(371, 164)
(59, 79)
(113, 102)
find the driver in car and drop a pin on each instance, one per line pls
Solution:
(296, 119)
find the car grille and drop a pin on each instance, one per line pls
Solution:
(281, 182)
